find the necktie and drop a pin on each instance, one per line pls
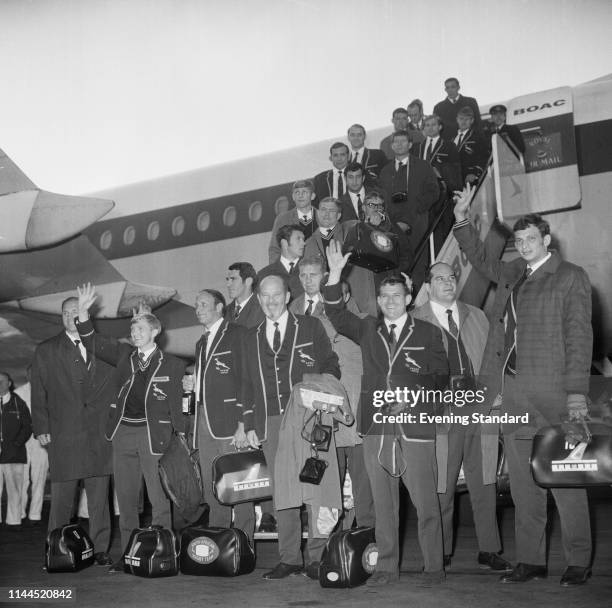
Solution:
(82, 351)
(392, 336)
(237, 310)
(291, 266)
(452, 326)
(141, 357)
(205, 344)
(511, 324)
(360, 212)
(306, 219)
(460, 139)
(339, 185)
(398, 165)
(276, 342)
(429, 150)
(308, 311)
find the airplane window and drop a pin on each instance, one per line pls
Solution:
(281, 205)
(255, 211)
(129, 235)
(178, 225)
(106, 239)
(203, 221)
(153, 231)
(229, 216)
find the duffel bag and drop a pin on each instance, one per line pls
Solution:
(68, 549)
(151, 552)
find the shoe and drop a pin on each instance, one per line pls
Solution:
(431, 579)
(31, 523)
(523, 573)
(118, 566)
(575, 575)
(103, 559)
(492, 561)
(447, 561)
(378, 579)
(282, 571)
(268, 523)
(312, 570)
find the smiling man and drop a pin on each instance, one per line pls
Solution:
(537, 361)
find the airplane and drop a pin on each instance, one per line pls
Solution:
(170, 237)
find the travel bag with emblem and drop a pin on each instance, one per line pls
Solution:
(151, 552)
(349, 558)
(559, 463)
(216, 552)
(371, 248)
(68, 549)
(241, 477)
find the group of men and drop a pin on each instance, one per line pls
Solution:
(311, 312)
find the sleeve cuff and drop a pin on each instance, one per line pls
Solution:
(461, 224)
(84, 328)
(247, 418)
(332, 294)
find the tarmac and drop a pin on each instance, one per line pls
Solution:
(21, 560)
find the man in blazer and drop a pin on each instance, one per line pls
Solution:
(301, 215)
(448, 108)
(371, 159)
(277, 354)
(244, 309)
(511, 132)
(398, 351)
(218, 424)
(473, 147)
(401, 122)
(352, 203)
(290, 239)
(71, 392)
(142, 416)
(464, 331)
(537, 361)
(333, 181)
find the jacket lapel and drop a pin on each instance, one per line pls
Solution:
(213, 347)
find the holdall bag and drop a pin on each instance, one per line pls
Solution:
(181, 478)
(216, 552)
(371, 248)
(349, 558)
(557, 463)
(68, 549)
(241, 477)
(151, 552)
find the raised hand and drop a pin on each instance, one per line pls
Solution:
(462, 199)
(87, 296)
(335, 259)
(143, 308)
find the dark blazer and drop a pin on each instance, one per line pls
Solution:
(164, 388)
(311, 353)
(220, 375)
(422, 190)
(444, 160)
(70, 402)
(293, 279)
(419, 359)
(348, 211)
(447, 111)
(372, 161)
(474, 152)
(251, 314)
(324, 184)
(554, 334)
(15, 430)
(285, 219)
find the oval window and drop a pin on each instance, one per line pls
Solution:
(255, 211)
(106, 240)
(203, 221)
(129, 235)
(229, 216)
(153, 231)
(178, 225)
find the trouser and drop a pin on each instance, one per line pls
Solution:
(11, 476)
(132, 459)
(34, 477)
(351, 457)
(221, 515)
(464, 446)
(62, 507)
(419, 477)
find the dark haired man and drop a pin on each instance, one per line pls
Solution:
(244, 309)
(401, 122)
(352, 202)
(473, 146)
(371, 159)
(537, 361)
(415, 113)
(448, 108)
(397, 350)
(502, 128)
(333, 181)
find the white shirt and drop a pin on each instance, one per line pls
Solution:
(286, 263)
(147, 353)
(212, 332)
(400, 163)
(354, 196)
(535, 266)
(315, 300)
(459, 135)
(304, 216)
(454, 101)
(80, 346)
(439, 311)
(430, 140)
(357, 155)
(399, 325)
(282, 326)
(335, 193)
(5, 398)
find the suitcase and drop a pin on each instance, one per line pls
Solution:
(68, 549)
(349, 558)
(371, 248)
(241, 477)
(216, 552)
(151, 552)
(557, 464)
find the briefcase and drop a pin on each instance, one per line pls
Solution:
(68, 549)
(181, 478)
(151, 553)
(371, 248)
(241, 477)
(216, 552)
(349, 558)
(555, 463)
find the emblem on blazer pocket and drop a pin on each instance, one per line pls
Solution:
(411, 364)
(305, 358)
(158, 393)
(221, 367)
